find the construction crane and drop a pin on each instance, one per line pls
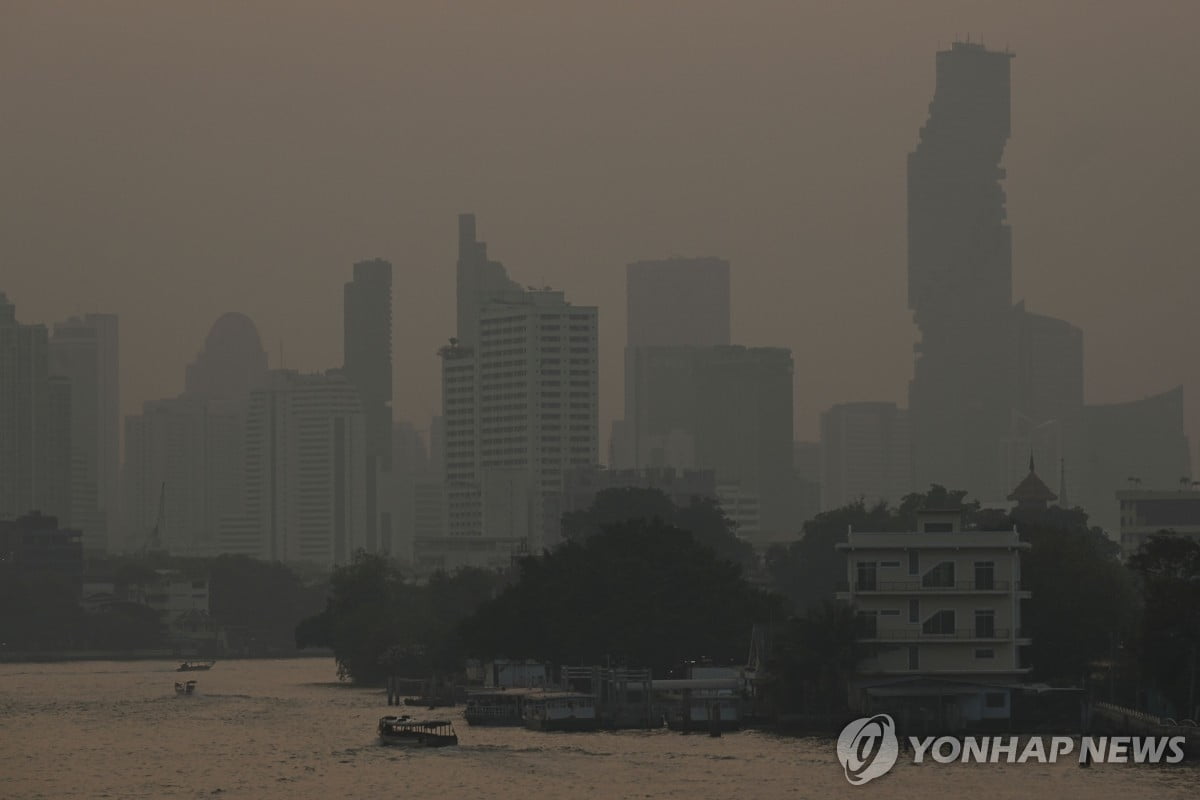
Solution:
(154, 540)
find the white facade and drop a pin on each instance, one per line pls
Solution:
(940, 602)
(304, 488)
(520, 409)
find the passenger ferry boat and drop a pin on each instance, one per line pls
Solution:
(560, 711)
(496, 706)
(700, 713)
(408, 732)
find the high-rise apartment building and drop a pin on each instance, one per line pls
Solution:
(304, 487)
(84, 351)
(368, 364)
(520, 394)
(35, 424)
(866, 453)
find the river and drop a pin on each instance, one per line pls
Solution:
(287, 729)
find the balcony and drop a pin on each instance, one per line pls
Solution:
(917, 587)
(916, 635)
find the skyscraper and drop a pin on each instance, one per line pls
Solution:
(960, 273)
(34, 423)
(726, 409)
(678, 301)
(304, 484)
(367, 346)
(183, 460)
(84, 351)
(232, 364)
(866, 453)
(520, 395)
(186, 453)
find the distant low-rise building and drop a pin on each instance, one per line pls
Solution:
(36, 543)
(940, 609)
(1145, 513)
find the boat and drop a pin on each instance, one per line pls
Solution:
(496, 706)
(408, 732)
(560, 711)
(195, 666)
(185, 688)
(706, 713)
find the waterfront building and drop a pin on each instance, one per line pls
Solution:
(940, 608)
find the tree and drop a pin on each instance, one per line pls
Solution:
(814, 656)
(1083, 601)
(642, 593)
(377, 623)
(1168, 570)
(703, 517)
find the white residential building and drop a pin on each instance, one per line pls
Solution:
(520, 393)
(304, 488)
(941, 612)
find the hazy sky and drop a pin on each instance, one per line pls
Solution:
(170, 161)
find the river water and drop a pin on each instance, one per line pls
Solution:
(287, 729)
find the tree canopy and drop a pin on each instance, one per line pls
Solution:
(643, 593)
(378, 623)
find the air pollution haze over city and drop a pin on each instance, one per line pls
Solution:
(488, 376)
(171, 164)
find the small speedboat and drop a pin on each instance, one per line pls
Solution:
(185, 688)
(408, 732)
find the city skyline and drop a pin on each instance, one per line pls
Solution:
(1080, 204)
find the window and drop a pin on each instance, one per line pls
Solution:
(985, 623)
(889, 564)
(889, 612)
(985, 652)
(868, 624)
(914, 562)
(939, 527)
(914, 610)
(866, 576)
(995, 700)
(941, 623)
(940, 577)
(914, 657)
(985, 575)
